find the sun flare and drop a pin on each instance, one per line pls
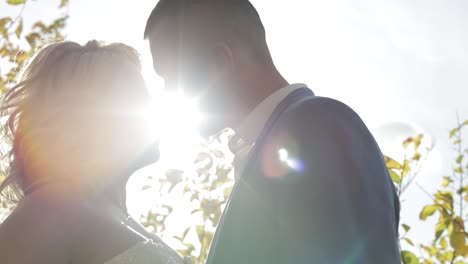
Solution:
(174, 120)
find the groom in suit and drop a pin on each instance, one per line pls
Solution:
(311, 182)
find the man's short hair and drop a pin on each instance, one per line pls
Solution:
(236, 17)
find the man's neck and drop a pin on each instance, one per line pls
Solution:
(258, 85)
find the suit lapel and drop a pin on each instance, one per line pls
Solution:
(244, 190)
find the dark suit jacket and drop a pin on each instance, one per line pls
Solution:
(315, 190)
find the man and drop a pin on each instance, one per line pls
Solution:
(312, 185)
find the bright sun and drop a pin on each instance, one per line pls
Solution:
(174, 119)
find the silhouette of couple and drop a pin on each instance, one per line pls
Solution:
(311, 183)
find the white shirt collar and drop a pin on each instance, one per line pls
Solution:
(253, 124)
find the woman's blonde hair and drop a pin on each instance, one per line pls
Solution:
(64, 85)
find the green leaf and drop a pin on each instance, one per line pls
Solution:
(392, 164)
(440, 228)
(459, 170)
(200, 232)
(406, 169)
(408, 241)
(4, 21)
(32, 38)
(4, 51)
(406, 227)
(427, 211)
(454, 131)
(63, 3)
(409, 258)
(19, 29)
(443, 243)
(457, 240)
(447, 181)
(146, 187)
(407, 142)
(417, 141)
(16, 2)
(459, 159)
(395, 177)
(185, 233)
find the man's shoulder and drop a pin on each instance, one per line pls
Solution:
(320, 110)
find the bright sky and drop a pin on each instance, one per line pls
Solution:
(402, 65)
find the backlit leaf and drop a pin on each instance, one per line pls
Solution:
(392, 164)
(454, 131)
(427, 211)
(459, 159)
(447, 181)
(16, 2)
(406, 227)
(19, 29)
(395, 177)
(63, 3)
(409, 241)
(457, 240)
(407, 142)
(409, 258)
(443, 243)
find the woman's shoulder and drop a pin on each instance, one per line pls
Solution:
(148, 252)
(37, 216)
(33, 228)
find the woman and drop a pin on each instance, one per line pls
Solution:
(78, 132)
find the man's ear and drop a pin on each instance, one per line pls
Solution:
(225, 60)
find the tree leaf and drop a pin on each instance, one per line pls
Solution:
(409, 258)
(63, 3)
(4, 51)
(32, 38)
(19, 29)
(459, 159)
(454, 131)
(459, 170)
(407, 142)
(408, 241)
(16, 2)
(392, 164)
(440, 228)
(200, 232)
(406, 227)
(395, 177)
(457, 240)
(4, 21)
(417, 141)
(427, 211)
(447, 181)
(443, 243)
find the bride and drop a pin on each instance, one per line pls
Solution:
(77, 134)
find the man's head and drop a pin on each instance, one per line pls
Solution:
(207, 48)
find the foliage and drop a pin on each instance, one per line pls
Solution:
(207, 186)
(13, 51)
(449, 202)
